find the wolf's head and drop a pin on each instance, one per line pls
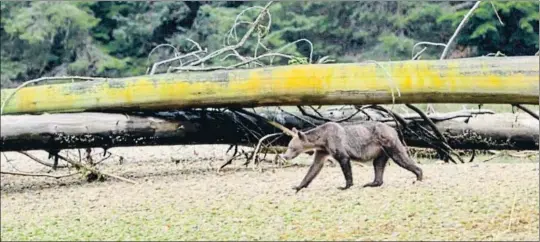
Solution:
(298, 145)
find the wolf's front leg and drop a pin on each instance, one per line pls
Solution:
(314, 169)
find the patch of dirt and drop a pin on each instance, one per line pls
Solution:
(189, 201)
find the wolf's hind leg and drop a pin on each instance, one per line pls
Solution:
(345, 164)
(398, 153)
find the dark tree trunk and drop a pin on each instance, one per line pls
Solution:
(82, 130)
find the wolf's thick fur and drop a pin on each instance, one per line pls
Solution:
(360, 142)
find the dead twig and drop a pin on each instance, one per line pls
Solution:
(155, 65)
(512, 212)
(298, 117)
(322, 118)
(397, 117)
(214, 68)
(527, 110)
(417, 56)
(248, 156)
(473, 155)
(295, 42)
(316, 111)
(229, 161)
(492, 157)
(36, 174)
(108, 155)
(40, 161)
(521, 156)
(258, 147)
(413, 56)
(176, 53)
(95, 171)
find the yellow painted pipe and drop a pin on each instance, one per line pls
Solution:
(469, 80)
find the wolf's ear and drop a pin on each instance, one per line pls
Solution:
(302, 136)
(294, 130)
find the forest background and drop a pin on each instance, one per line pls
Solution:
(115, 39)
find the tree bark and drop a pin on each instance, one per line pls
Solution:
(83, 130)
(468, 80)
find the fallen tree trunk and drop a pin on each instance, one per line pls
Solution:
(83, 130)
(470, 80)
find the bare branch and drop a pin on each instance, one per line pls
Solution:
(195, 44)
(430, 123)
(240, 43)
(496, 13)
(460, 26)
(417, 56)
(495, 54)
(311, 115)
(527, 110)
(295, 42)
(425, 43)
(322, 118)
(258, 147)
(237, 22)
(155, 65)
(440, 136)
(36, 174)
(40, 161)
(94, 170)
(324, 59)
(213, 68)
(229, 161)
(176, 52)
(298, 117)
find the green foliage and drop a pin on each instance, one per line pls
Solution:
(518, 35)
(115, 38)
(298, 61)
(43, 21)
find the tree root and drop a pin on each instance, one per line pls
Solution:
(447, 149)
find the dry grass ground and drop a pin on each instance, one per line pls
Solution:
(495, 200)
